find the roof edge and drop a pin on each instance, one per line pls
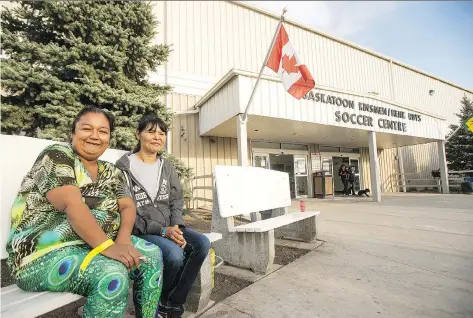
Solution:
(350, 44)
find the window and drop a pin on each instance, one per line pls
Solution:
(265, 145)
(328, 149)
(350, 150)
(294, 147)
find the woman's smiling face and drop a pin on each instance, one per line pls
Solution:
(91, 136)
(152, 139)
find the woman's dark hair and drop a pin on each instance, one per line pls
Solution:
(150, 122)
(86, 110)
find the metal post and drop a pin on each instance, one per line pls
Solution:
(401, 170)
(374, 167)
(245, 114)
(443, 166)
(458, 128)
(453, 133)
(242, 142)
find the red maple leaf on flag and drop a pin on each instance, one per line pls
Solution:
(289, 64)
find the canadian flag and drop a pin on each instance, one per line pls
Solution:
(283, 60)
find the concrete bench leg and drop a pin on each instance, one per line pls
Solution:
(305, 230)
(199, 296)
(248, 250)
(243, 249)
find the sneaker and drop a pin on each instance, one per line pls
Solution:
(166, 312)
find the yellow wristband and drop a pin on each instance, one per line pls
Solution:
(94, 252)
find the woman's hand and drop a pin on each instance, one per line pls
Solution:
(123, 239)
(124, 253)
(175, 234)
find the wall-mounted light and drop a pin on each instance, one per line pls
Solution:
(431, 92)
(212, 140)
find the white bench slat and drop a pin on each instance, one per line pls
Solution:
(243, 190)
(272, 223)
(17, 303)
(213, 236)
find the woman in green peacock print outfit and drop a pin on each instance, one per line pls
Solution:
(70, 203)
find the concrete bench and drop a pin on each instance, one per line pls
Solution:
(18, 303)
(246, 190)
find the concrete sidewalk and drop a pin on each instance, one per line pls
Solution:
(410, 256)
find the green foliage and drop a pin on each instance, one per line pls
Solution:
(64, 55)
(459, 148)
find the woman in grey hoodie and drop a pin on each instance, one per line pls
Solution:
(158, 195)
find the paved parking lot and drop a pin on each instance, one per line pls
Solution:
(409, 256)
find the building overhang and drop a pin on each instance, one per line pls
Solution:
(324, 116)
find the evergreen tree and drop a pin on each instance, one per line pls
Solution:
(64, 55)
(459, 148)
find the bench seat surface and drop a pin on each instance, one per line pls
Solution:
(18, 303)
(273, 223)
(213, 236)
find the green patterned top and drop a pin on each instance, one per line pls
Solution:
(37, 228)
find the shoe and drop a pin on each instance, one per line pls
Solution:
(165, 312)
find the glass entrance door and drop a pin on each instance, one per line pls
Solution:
(355, 162)
(261, 160)
(301, 175)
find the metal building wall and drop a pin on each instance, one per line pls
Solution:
(420, 159)
(222, 106)
(389, 168)
(201, 154)
(412, 88)
(365, 174)
(209, 38)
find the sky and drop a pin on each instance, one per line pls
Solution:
(433, 36)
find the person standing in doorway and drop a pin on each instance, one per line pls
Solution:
(159, 198)
(343, 173)
(351, 180)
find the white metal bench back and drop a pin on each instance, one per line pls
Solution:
(243, 190)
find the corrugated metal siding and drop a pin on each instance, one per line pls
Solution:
(223, 105)
(420, 159)
(389, 168)
(211, 37)
(412, 88)
(199, 153)
(365, 168)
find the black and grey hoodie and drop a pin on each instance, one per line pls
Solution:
(166, 210)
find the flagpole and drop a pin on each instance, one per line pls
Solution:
(244, 116)
(456, 130)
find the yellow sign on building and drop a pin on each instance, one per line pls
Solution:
(469, 123)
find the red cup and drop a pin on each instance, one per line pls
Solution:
(302, 206)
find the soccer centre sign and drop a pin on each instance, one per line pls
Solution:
(388, 119)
